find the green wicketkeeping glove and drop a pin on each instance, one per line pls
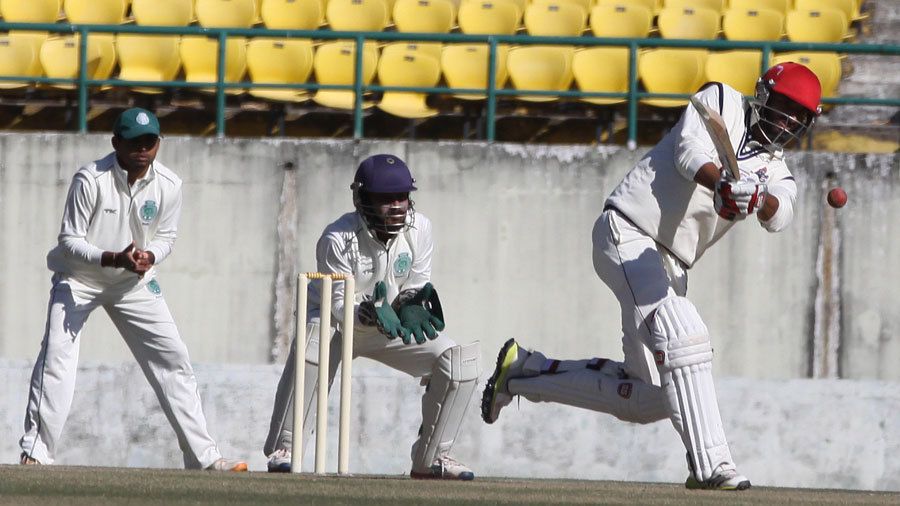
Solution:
(422, 315)
(383, 316)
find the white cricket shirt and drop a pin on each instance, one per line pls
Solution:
(659, 194)
(347, 245)
(103, 213)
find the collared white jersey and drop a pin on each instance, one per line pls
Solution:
(659, 194)
(103, 213)
(347, 245)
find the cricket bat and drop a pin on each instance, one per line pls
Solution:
(719, 135)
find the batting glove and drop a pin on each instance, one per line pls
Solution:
(738, 199)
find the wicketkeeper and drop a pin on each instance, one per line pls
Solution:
(387, 246)
(670, 208)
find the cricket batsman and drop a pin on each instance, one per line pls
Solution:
(387, 245)
(657, 223)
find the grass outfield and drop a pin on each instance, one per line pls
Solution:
(41, 486)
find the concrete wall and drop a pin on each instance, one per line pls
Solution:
(513, 250)
(796, 433)
(513, 230)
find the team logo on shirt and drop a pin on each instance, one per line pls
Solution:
(762, 174)
(149, 210)
(154, 288)
(402, 264)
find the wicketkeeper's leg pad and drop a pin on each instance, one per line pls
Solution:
(447, 397)
(596, 384)
(683, 353)
(281, 426)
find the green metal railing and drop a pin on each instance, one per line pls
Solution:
(83, 82)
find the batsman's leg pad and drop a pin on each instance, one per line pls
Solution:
(683, 353)
(447, 397)
(281, 426)
(596, 384)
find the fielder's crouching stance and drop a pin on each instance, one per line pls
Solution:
(672, 206)
(387, 246)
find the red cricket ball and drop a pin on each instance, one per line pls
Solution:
(837, 197)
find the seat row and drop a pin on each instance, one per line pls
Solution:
(805, 21)
(465, 66)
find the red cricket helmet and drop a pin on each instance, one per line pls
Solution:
(786, 105)
(796, 82)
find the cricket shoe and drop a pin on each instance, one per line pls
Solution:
(725, 477)
(280, 461)
(232, 465)
(444, 468)
(27, 460)
(496, 394)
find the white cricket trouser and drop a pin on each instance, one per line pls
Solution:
(641, 274)
(145, 323)
(417, 360)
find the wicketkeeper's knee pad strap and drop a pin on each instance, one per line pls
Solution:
(447, 395)
(683, 355)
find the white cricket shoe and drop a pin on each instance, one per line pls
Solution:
(444, 468)
(496, 394)
(27, 460)
(232, 465)
(280, 461)
(725, 477)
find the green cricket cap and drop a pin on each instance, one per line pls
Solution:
(136, 122)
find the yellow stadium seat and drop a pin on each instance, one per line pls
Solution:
(586, 5)
(717, 6)
(432, 49)
(621, 20)
(738, 69)
(148, 58)
(520, 5)
(100, 12)
(826, 66)
(334, 63)
(489, 17)
(35, 40)
(821, 25)
(850, 8)
(782, 6)
(753, 24)
(277, 61)
(541, 68)
(226, 13)
(466, 66)
(653, 5)
(357, 15)
(59, 58)
(398, 67)
(200, 55)
(559, 19)
(293, 14)
(163, 12)
(424, 16)
(106, 43)
(601, 69)
(688, 23)
(17, 58)
(30, 11)
(671, 71)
